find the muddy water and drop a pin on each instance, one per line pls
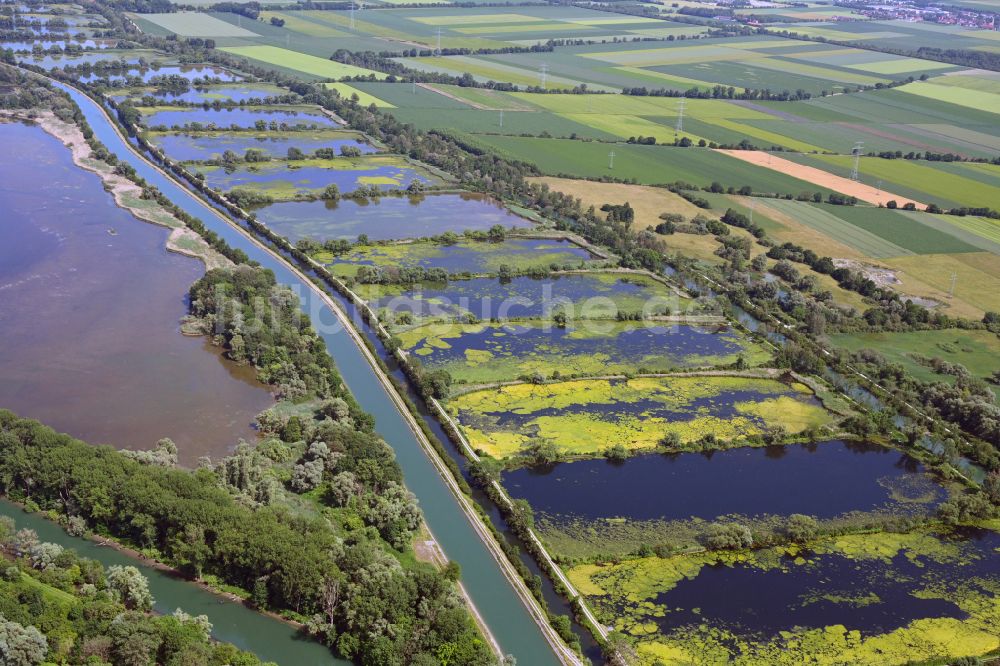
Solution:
(89, 308)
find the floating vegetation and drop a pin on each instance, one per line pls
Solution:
(466, 256)
(481, 353)
(586, 417)
(860, 599)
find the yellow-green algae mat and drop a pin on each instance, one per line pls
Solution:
(634, 594)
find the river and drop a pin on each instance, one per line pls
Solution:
(498, 603)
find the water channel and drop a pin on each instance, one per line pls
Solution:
(493, 595)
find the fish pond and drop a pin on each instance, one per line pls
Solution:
(145, 74)
(90, 302)
(591, 507)
(388, 218)
(484, 352)
(52, 61)
(861, 599)
(237, 92)
(578, 295)
(465, 257)
(204, 146)
(44, 44)
(241, 116)
(586, 417)
(309, 177)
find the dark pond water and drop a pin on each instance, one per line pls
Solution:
(389, 218)
(231, 93)
(524, 297)
(200, 147)
(290, 177)
(474, 257)
(240, 117)
(90, 319)
(53, 61)
(799, 595)
(189, 72)
(46, 44)
(824, 480)
(41, 30)
(656, 348)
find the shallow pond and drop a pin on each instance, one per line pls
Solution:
(189, 72)
(239, 116)
(204, 146)
(222, 93)
(22, 47)
(388, 218)
(823, 480)
(862, 599)
(89, 307)
(472, 257)
(593, 295)
(499, 352)
(53, 61)
(285, 180)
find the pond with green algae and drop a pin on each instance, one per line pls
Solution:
(389, 218)
(868, 599)
(285, 180)
(590, 295)
(587, 416)
(473, 257)
(492, 352)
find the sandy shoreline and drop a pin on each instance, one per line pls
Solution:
(127, 194)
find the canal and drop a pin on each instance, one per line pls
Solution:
(498, 603)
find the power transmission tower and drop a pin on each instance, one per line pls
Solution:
(611, 160)
(951, 290)
(858, 149)
(543, 73)
(352, 14)
(437, 51)
(751, 205)
(680, 116)
(501, 117)
(414, 79)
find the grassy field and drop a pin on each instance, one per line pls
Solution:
(365, 99)
(585, 417)
(193, 24)
(924, 181)
(300, 62)
(648, 165)
(978, 351)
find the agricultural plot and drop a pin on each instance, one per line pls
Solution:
(903, 36)
(390, 218)
(290, 180)
(364, 99)
(859, 599)
(650, 165)
(465, 257)
(589, 508)
(190, 24)
(977, 351)
(485, 353)
(586, 417)
(924, 181)
(300, 63)
(974, 99)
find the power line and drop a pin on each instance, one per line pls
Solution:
(858, 149)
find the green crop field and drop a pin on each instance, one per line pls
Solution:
(974, 99)
(300, 62)
(924, 181)
(194, 24)
(364, 98)
(648, 165)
